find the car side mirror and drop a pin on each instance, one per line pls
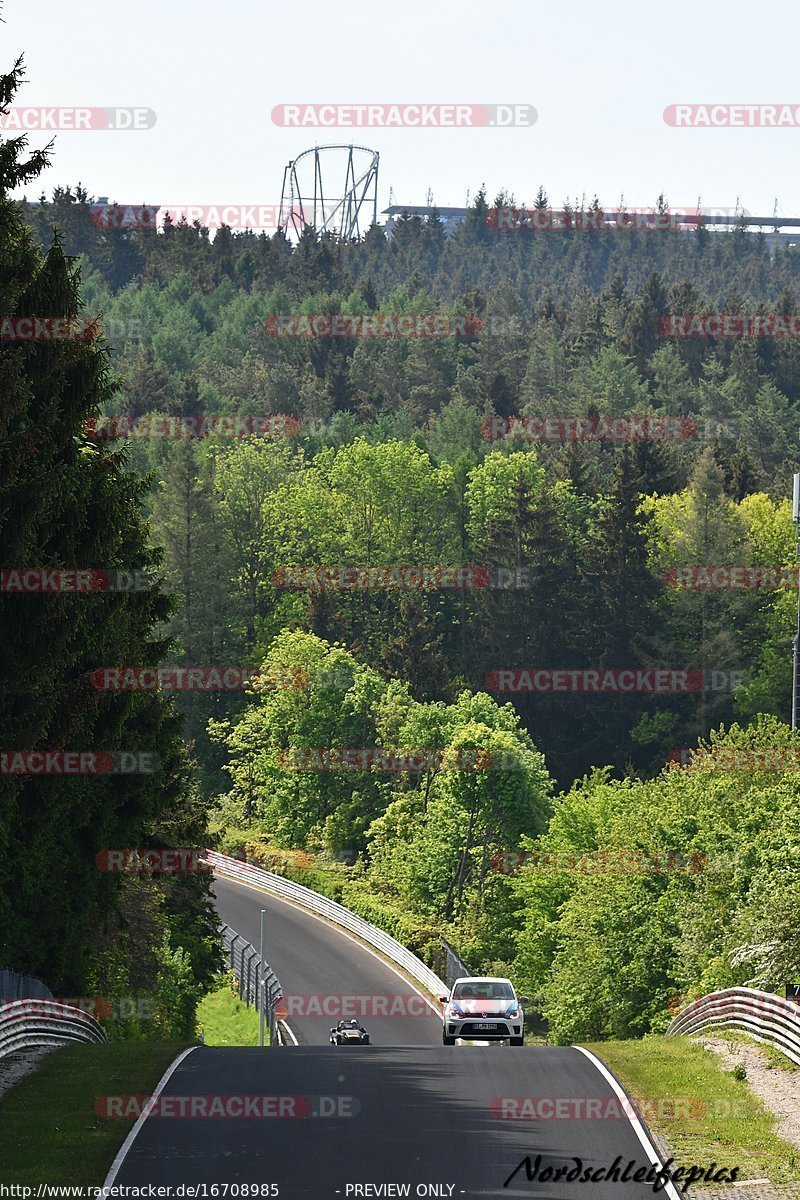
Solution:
(524, 1000)
(443, 999)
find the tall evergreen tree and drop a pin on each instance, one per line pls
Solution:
(67, 503)
(617, 571)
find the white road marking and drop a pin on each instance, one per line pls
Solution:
(129, 1140)
(638, 1128)
(285, 1027)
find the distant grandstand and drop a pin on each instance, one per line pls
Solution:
(781, 230)
(451, 218)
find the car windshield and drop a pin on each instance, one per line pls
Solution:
(483, 991)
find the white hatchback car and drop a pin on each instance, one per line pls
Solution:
(485, 1009)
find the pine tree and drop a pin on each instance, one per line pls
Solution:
(617, 573)
(66, 503)
(434, 237)
(475, 229)
(642, 337)
(199, 567)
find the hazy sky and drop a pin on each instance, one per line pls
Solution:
(599, 76)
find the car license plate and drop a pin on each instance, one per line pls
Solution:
(487, 1025)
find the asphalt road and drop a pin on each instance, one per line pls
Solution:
(416, 1116)
(320, 1122)
(325, 975)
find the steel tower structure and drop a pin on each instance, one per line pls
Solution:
(343, 201)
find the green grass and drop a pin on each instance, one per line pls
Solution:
(225, 1020)
(700, 1109)
(49, 1132)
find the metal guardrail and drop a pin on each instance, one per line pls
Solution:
(766, 1017)
(454, 965)
(337, 914)
(25, 1024)
(14, 986)
(244, 961)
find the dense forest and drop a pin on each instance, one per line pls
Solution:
(573, 552)
(404, 451)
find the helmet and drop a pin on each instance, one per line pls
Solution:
(354, 1024)
(342, 1024)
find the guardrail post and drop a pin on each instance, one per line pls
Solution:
(258, 984)
(246, 986)
(252, 997)
(261, 994)
(232, 961)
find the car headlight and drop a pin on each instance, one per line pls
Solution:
(455, 1011)
(513, 1011)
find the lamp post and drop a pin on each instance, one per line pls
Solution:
(261, 997)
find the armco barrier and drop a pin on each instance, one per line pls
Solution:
(14, 986)
(454, 965)
(245, 962)
(337, 914)
(28, 1023)
(766, 1017)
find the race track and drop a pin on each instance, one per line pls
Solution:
(422, 1115)
(404, 1116)
(323, 971)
